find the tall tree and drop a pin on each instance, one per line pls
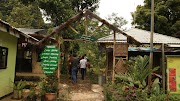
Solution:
(61, 10)
(167, 16)
(79, 5)
(20, 15)
(116, 20)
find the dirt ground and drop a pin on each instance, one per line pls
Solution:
(82, 91)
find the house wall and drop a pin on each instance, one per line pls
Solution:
(173, 74)
(7, 75)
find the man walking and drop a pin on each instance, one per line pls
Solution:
(83, 63)
(74, 64)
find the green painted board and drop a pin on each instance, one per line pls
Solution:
(85, 37)
(49, 61)
(50, 46)
(48, 65)
(51, 50)
(48, 72)
(50, 57)
(49, 69)
(49, 54)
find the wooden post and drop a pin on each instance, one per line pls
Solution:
(163, 68)
(107, 60)
(86, 25)
(59, 63)
(114, 58)
(151, 41)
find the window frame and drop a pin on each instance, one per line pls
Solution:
(6, 57)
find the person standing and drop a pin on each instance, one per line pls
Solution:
(70, 65)
(74, 64)
(83, 63)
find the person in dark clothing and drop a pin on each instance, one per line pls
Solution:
(70, 66)
(74, 64)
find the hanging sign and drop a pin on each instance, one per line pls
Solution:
(49, 59)
(85, 37)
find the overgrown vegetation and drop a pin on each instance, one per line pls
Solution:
(132, 86)
(166, 15)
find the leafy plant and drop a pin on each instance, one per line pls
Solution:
(131, 86)
(20, 85)
(50, 83)
(138, 71)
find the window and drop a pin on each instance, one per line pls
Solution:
(3, 57)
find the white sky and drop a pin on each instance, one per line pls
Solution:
(122, 7)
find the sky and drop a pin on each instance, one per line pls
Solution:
(122, 7)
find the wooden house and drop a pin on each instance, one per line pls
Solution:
(28, 59)
(9, 37)
(164, 46)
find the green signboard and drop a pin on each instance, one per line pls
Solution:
(49, 59)
(85, 37)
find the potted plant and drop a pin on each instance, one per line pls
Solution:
(35, 91)
(17, 89)
(50, 86)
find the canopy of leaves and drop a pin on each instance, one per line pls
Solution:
(20, 15)
(167, 16)
(116, 20)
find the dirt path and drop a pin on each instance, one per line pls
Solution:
(82, 91)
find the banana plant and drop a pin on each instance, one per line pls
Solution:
(138, 71)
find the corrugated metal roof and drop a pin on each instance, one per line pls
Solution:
(143, 36)
(29, 38)
(110, 38)
(30, 31)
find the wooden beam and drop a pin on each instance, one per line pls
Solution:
(59, 65)
(86, 25)
(110, 26)
(77, 40)
(73, 29)
(63, 26)
(97, 29)
(114, 58)
(151, 42)
(163, 69)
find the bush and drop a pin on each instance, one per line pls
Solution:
(131, 86)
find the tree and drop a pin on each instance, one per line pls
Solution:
(167, 16)
(20, 15)
(116, 20)
(79, 5)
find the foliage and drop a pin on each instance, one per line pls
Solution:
(116, 20)
(79, 5)
(167, 16)
(131, 86)
(36, 89)
(20, 15)
(20, 85)
(50, 83)
(96, 58)
(137, 71)
(93, 77)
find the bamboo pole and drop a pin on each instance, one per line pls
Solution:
(151, 41)
(163, 68)
(114, 58)
(73, 29)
